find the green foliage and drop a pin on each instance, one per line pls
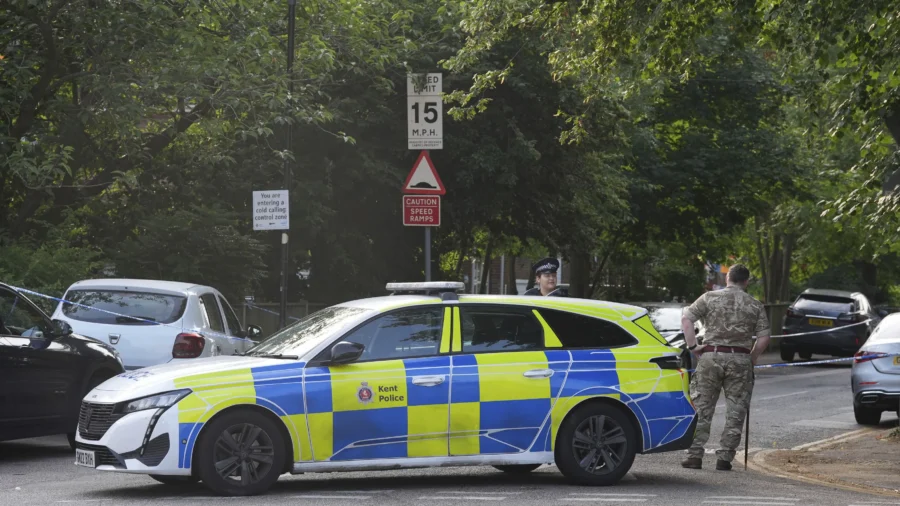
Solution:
(48, 268)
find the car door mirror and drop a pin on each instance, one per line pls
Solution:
(61, 328)
(254, 332)
(882, 313)
(346, 352)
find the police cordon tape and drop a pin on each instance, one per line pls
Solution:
(152, 322)
(219, 334)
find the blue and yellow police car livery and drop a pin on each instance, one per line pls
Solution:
(424, 377)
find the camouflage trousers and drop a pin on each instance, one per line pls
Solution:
(733, 373)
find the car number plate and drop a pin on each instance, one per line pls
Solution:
(821, 322)
(897, 360)
(84, 458)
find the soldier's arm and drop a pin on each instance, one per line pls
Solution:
(691, 315)
(763, 331)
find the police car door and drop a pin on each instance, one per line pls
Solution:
(393, 401)
(503, 383)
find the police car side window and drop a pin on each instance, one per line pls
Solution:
(579, 331)
(499, 329)
(402, 334)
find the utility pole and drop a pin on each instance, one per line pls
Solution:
(285, 248)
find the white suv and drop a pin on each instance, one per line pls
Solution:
(153, 322)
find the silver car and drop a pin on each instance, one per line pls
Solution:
(876, 373)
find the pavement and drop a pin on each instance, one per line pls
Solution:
(791, 407)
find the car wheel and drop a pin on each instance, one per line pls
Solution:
(240, 453)
(866, 416)
(787, 354)
(175, 480)
(518, 469)
(805, 356)
(596, 445)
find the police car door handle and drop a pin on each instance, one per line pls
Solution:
(538, 373)
(427, 381)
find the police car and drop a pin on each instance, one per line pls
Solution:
(424, 377)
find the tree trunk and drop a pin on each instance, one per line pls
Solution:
(486, 270)
(784, 292)
(760, 252)
(464, 248)
(511, 276)
(579, 275)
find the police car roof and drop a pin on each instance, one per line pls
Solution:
(584, 306)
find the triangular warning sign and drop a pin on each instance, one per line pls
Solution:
(423, 178)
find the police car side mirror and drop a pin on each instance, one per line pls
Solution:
(345, 352)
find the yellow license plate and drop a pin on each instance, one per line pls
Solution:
(821, 322)
(896, 360)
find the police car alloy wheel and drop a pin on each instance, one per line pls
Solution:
(241, 453)
(596, 445)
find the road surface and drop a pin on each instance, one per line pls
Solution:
(791, 406)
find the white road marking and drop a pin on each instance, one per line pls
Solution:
(463, 498)
(311, 496)
(756, 503)
(769, 398)
(825, 424)
(753, 498)
(830, 439)
(610, 494)
(603, 499)
(479, 492)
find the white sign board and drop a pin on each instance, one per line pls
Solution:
(271, 210)
(424, 111)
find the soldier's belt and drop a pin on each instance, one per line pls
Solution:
(725, 349)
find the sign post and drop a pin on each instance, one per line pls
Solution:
(425, 131)
(271, 211)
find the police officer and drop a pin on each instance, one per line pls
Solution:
(725, 361)
(545, 279)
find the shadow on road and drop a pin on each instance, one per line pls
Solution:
(33, 449)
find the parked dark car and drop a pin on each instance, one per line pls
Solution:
(833, 322)
(45, 370)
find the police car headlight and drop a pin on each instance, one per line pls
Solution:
(164, 400)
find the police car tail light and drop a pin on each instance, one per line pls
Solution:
(188, 345)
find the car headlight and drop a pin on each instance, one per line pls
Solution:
(163, 400)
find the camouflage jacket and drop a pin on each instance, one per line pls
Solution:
(731, 317)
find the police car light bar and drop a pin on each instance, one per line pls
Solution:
(426, 287)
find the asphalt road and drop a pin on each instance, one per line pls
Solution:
(791, 406)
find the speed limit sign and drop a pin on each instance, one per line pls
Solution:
(424, 111)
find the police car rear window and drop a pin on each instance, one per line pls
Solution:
(579, 331)
(98, 306)
(499, 329)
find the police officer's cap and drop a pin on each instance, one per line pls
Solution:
(546, 265)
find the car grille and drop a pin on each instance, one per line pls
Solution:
(95, 419)
(102, 455)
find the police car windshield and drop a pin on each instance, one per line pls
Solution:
(299, 338)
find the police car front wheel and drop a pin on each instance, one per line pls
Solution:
(240, 453)
(596, 445)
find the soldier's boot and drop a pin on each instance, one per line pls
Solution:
(723, 465)
(692, 463)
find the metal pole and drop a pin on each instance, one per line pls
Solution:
(427, 253)
(285, 248)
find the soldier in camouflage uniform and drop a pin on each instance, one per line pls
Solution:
(731, 317)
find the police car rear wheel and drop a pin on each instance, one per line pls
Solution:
(241, 453)
(596, 445)
(518, 468)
